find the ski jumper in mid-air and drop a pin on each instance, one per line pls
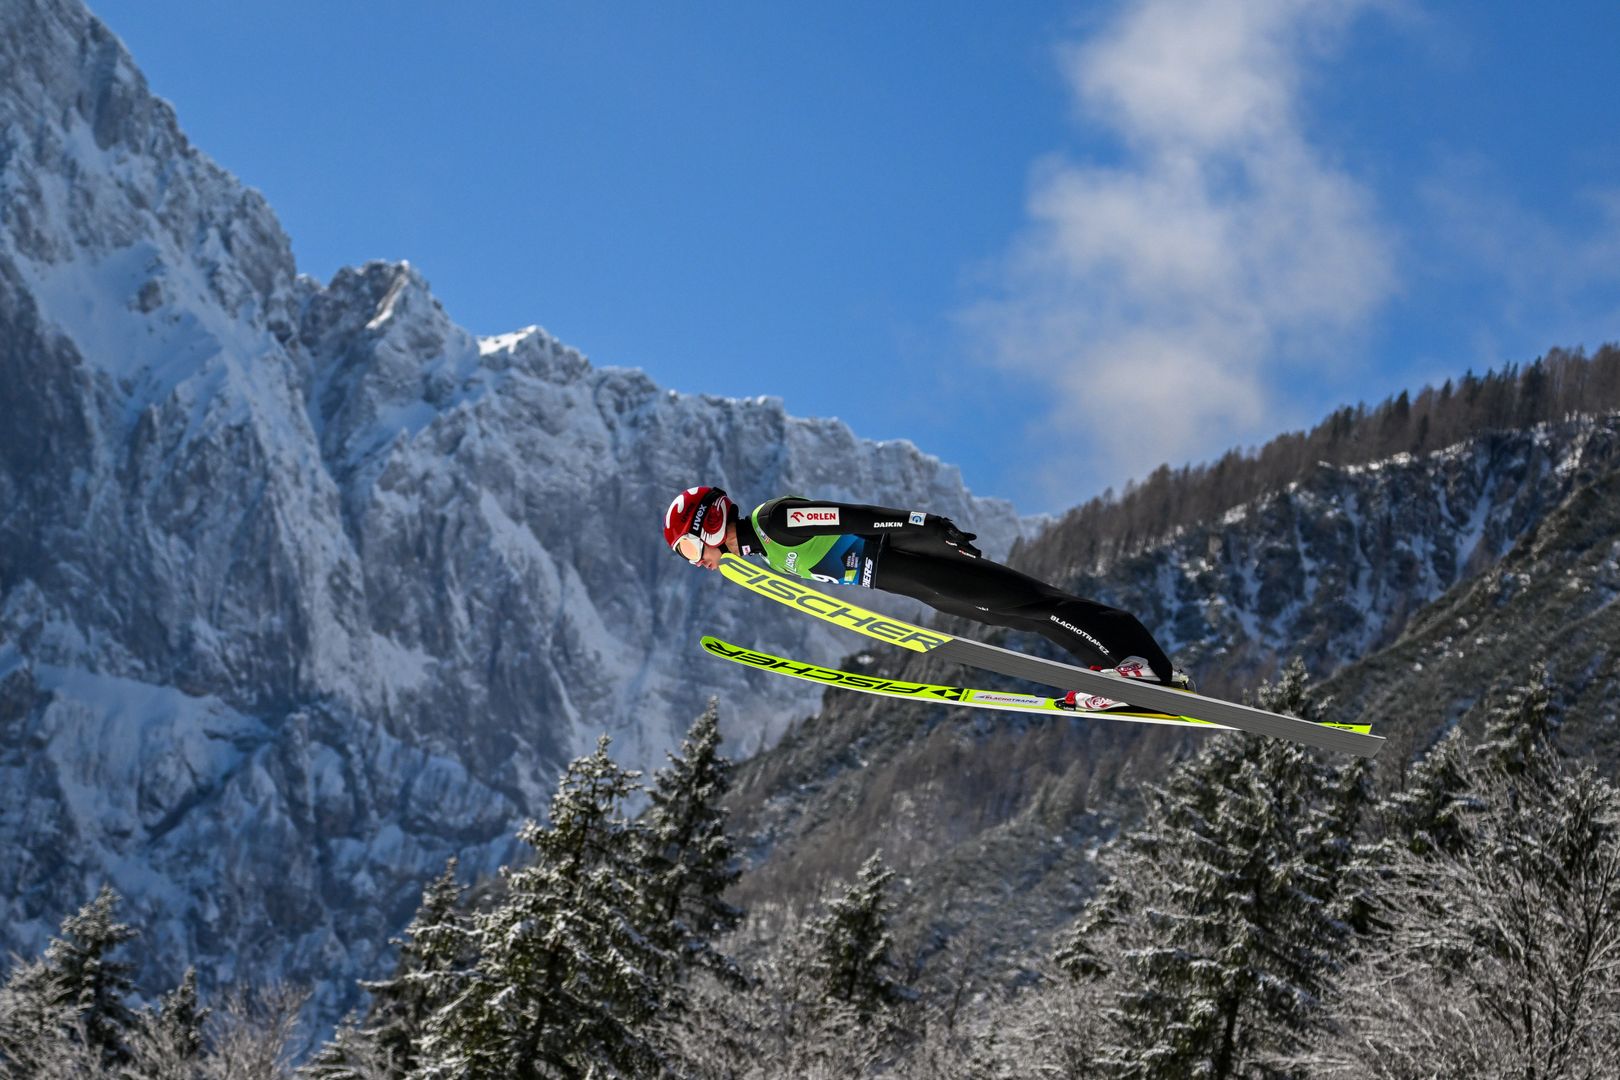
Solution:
(920, 555)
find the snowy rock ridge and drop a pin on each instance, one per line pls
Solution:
(1334, 566)
(303, 588)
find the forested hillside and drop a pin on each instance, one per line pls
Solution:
(1558, 386)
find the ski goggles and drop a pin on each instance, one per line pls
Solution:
(690, 548)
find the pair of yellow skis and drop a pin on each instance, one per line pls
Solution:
(1150, 702)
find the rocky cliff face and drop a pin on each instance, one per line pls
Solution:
(1550, 602)
(1334, 566)
(302, 587)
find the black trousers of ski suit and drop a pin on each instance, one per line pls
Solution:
(927, 569)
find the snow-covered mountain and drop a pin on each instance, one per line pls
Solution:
(304, 588)
(1333, 566)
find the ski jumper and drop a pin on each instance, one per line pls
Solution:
(907, 552)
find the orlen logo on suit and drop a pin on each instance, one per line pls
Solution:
(813, 515)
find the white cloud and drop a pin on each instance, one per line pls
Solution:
(1174, 302)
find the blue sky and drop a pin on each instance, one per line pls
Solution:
(1053, 243)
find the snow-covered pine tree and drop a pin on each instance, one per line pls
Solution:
(75, 994)
(690, 861)
(1538, 900)
(39, 1033)
(779, 1025)
(851, 944)
(88, 975)
(168, 1043)
(1521, 732)
(1339, 844)
(181, 1016)
(434, 953)
(1427, 815)
(565, 983)
(1221, 925)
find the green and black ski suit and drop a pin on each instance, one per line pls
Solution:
(928, 558)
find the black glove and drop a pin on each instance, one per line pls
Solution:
(956, 538)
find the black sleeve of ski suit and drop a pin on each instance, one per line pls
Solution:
(792, 520)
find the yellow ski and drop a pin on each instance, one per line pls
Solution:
(1147, 696)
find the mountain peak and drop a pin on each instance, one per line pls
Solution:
(105, 200)
(333, 587)
(376, 302)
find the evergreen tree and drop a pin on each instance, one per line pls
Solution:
(434, 954)
(1521, 731)
(181, 1017)
(88, 976)
(565, 984)
(1224, 924)
(75, 994)
(1335, 843)
(37, 1028)
(1428, 815)
(690, 862)
(852, 942)
(168, 1042)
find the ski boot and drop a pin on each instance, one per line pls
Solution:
(1133, 667)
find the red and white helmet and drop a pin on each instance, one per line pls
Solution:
(698, 511)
